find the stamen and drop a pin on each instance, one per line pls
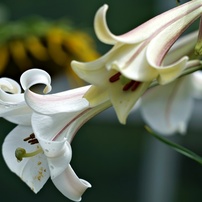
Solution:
(135, 85)
(21, 153)
(128, 85)
(31, 139)
(34, 141)
(115, 77)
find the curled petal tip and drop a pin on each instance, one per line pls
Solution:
(32, 77)
(101, 28)
(47, 89)
(70, 185)
(105, 7)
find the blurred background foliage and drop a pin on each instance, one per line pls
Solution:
(123, 163)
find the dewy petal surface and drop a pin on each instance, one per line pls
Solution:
(33, 171)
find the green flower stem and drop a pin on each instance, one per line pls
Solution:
(182, 150)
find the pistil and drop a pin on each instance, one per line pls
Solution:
(21, 153)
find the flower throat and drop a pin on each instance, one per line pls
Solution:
(127, 83)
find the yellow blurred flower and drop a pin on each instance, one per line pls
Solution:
(36, 42)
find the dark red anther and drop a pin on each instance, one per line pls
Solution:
(115, 77)
(31, 139)
(128, 85)
(135, 85)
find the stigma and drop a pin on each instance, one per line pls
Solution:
(21, 153)
(127, 83)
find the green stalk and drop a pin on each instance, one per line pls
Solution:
(182, 150)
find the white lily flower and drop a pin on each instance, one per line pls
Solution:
(55, 120)
(126, 71)
(33, 171)
(168, 108)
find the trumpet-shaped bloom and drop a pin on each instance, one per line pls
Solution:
(43, 148)
(135, 60)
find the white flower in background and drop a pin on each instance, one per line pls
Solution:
(126, 71)
(43, 148)
(167, 109)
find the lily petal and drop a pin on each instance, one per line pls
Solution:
(9, 85)
(160, 41)
(163, 107)
(70, 185)
(67, 101)
(12, 104)
(142, 32)
(165, 39)
(58, 154)
(32, 77)
(197, 84)
(184, 46)
(33, 171)
(122, 101)
(18, 114)
(65, 124)
(96, 95)
(93, 72)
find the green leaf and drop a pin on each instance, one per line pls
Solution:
(182, 150)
